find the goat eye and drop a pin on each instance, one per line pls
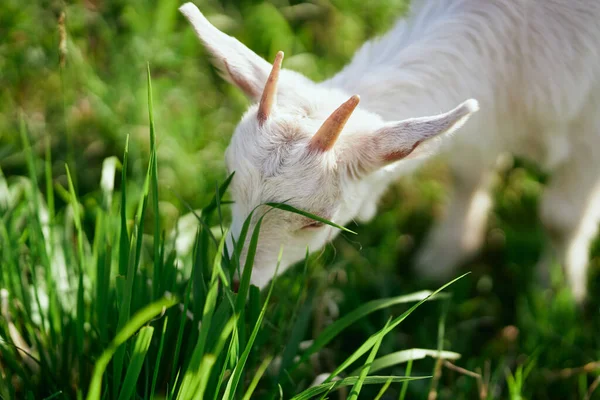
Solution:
(313, 225)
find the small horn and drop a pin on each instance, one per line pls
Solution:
(329, 132)
(268, 96)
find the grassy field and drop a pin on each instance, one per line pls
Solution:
(113, 203)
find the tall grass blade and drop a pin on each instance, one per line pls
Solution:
(103, 256)
(437, 369)
(384, 388)
(241, 240)
(405, 384)
(157, 273)
(230, 327)
(191, 379)
(338, 326)
(212, 206)
(140, 348)
(53, 395)
(124, 236)
(216, 352)
(351, 380)
(49, 191)
(139, 319)
(54, 304)
(298, 331)
(206, 365)
(35, 221)
(287, 207)
(132, 266)
(80, 322)
(366, 368)
(400, 357)
(373, 339)
(259, 373)
(182, 322)
(239, 368)
(158, 357)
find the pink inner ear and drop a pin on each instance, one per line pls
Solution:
(240, 82)
(400, 154)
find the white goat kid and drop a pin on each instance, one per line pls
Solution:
(298, 143)
(533, 65)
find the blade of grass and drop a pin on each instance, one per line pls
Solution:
(384, 388)
(437, 369)
(33, 187)
(237, 372)
(107, 181)
(201, 275)
(206, 366)
(241, 240)
(232, 326)
(54, 395)
(49, 186)
(287, 207)
(39, 231)
(139, 319)
(403, 356)
(102, 254)
(191, 379)
(247, 273)
(140, 348)
(132, 266)
(123, 294)
(182, 322)
(124, 236)
(158, 357)
(198, 217)
(221, 190)
(372, 340)
(338, 326)
(80, 271)
(351, 380)
(15, 277)
(175, 383)
(154, 189)
(259, 373)
(296, 335)
(54, 304)
(405, 384)
(367, 366)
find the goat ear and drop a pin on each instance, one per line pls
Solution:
(402, 139)
(237, 63)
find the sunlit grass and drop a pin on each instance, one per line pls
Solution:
(83, 253)
(121, 327)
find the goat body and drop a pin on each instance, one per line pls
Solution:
(532, 65)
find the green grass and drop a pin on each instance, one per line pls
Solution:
(215, 361)
(99, 300)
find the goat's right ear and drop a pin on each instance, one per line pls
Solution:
(398, 140)
(237, 63)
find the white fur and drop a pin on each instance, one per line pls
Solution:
(534, 67)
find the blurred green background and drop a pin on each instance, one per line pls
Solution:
(84, 108)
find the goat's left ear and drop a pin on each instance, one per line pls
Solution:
(402, 139)
(236, 63)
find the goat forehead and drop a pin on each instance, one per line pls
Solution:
(308, 184)
(272, 180)
(281, 139)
